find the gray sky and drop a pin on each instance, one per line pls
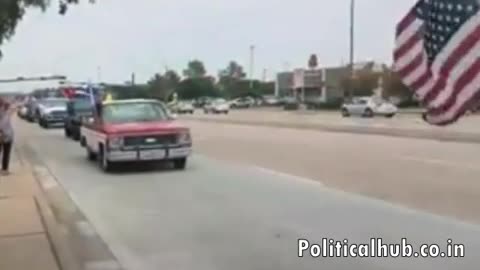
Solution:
(144, 36)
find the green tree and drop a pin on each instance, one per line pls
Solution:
(163, 86)
(191, 88)
(229, 79)
(195, 69)
(12, 12)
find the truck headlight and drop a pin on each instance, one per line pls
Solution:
(184, 137)
(115, 142)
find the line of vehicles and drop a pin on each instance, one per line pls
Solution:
(358, 106)
(115, 132)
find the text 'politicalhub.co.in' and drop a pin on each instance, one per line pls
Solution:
(330, 248)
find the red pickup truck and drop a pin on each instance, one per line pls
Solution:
(135, 130)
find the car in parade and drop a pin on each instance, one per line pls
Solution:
(22, 111)
(78, 111)
(51, 112)
(217, 106)
(135, 130)
(368, 107)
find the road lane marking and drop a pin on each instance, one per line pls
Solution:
(441, 162)
(288, 176)
(102, 265)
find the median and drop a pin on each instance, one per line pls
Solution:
(283, 120)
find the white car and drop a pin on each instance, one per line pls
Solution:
(369, 107)
(185, 107)
(217, 106)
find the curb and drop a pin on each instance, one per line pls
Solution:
(441, 135)
(75, 243)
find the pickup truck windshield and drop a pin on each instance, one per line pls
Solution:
(134, 112)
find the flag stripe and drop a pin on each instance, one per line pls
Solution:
(468, 97)
(406, 46)
(460, 84)
(452, 61)
(405, 22)
(409, 56)
(412, 66)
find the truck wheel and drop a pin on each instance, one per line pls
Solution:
(345, 113)
(102, 161)
(90, 155)
(180, 163)
(83, 142)
(67, 133)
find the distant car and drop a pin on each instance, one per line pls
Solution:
(22, 111)
(217, 106)
(78, 111)
(369, 107)
(291, 104)
(52, 111)
(31, 106)
(245, 102)
(184, 107)
(271, 101)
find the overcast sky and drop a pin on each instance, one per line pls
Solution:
(144, 36)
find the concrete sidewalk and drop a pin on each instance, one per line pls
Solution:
(24, 241)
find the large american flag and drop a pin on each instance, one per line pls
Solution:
(437, 55)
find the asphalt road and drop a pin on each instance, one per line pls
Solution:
(238, 205)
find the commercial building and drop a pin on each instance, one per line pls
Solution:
(322, 85)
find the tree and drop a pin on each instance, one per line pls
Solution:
(12, 11)
(313, 61)
(191, 88)
(195, 69)
(233, 70)
(163, 86)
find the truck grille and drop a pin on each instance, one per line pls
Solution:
(149, 140)
(58, 114)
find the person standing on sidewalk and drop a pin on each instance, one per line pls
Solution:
(6, 134)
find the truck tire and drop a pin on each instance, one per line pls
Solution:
(102, 161)
(90, 155)
(180, 163)
(67, 133)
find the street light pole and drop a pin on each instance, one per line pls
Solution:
(252, 63)
(352, 48)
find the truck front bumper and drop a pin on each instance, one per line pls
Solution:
(151, 154)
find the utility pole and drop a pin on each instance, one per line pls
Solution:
(352, 48)
(133, 78)
(99, 74)
(264, 75)
(252, 63)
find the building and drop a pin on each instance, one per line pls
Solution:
(283, 84)
(322, 85)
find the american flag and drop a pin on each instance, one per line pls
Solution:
(437, 55)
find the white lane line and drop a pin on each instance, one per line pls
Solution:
(288, 176)
(102, 265)
(441, 162)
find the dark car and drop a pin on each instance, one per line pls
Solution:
(77, 111)
(31, 106)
